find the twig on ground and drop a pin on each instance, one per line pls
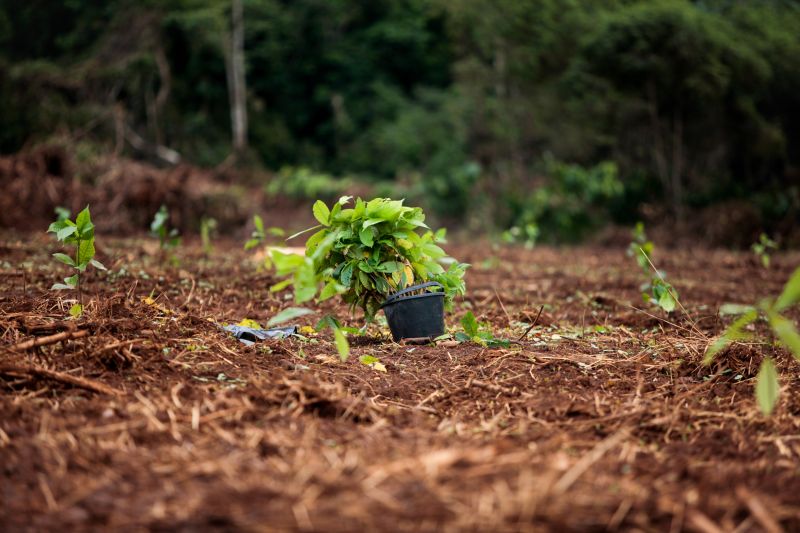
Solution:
(50, 339)
(83, 383)
(535, 320)
(758, 510)
(586, 462)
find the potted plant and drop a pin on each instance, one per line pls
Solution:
(375, 255)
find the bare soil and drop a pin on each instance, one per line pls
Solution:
(145, 415)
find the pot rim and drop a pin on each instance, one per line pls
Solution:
(387, 303)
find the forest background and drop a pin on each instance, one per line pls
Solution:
(537, 120)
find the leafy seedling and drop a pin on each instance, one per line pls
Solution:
(259, 235)
(769, 309)
(657, 290)
(168, 238)
(79, 234)
(479, 333)
(762, 249)
(208, 226)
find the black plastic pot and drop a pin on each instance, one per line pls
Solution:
(414, 316)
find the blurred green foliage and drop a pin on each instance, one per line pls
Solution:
(453, 103)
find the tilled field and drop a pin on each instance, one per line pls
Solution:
(145, 415)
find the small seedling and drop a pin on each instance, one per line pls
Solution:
(168, 238)
(656, 290)
(767, 386)
(79, 233)
(527, 234)
(259, 235)
(640, 247)
(479, 333)
(763, 247)
(208, 226)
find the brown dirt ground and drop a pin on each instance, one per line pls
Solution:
(603, 418)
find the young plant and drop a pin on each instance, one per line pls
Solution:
(208, 226)
(367, 252)
(259, 235)
(479, 333)
(656, 290)
(763, 247)
(168, 238)
(80, 234)
(767, 386)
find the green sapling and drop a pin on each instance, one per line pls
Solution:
(80, 234)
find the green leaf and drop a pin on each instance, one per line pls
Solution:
(666, 301)
(85, 252)
(390, 267)
(258, 223)
(66, 232)
(328, 321)
(366, 236)
(288, 314)
(72, 281)
(83, 219)
(734, 309)
(305, 283)
(314, 241)
(58, 225)
(342, 346)
(330, 290)
(322, 213)
(76, 310)
(159, 221)
(280, 285)
(252, 243)
(286, 264)
(460, 336)
(734, 332)
(98, 265)
(786, 332)
(64, 258)
(470, 324)
(346, 275)
(371, 222)
(767, 387)
(791, 292)
(61, 287)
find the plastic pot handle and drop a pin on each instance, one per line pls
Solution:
(413, 288)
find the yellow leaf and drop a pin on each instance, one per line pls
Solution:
(249, 323)
(307, 330)
(409, 275)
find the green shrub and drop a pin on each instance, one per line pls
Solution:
(573, 201)
(366, 252)
(304, 183)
